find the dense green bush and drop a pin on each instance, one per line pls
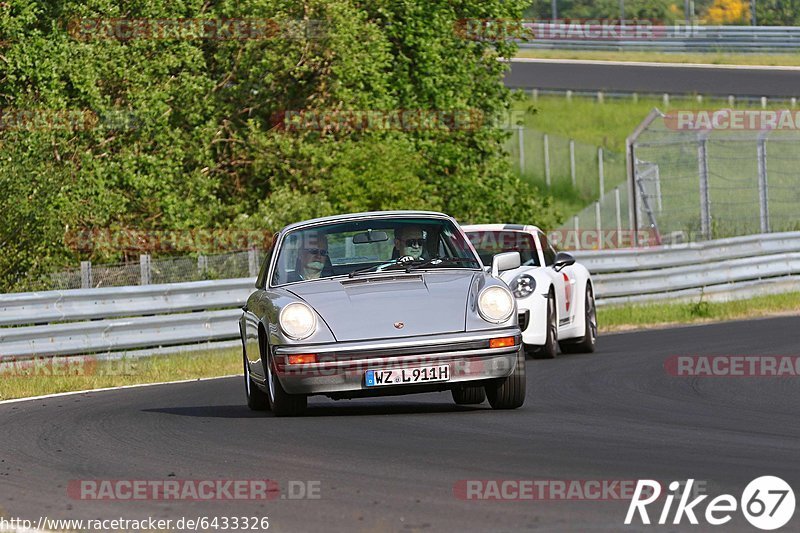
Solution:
(181, 132)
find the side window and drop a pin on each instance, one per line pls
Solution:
(547, 250)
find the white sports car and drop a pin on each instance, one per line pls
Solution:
(555, 297)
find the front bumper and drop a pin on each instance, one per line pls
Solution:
(341, 367)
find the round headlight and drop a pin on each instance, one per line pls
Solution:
(523, 286)
(495, 304)
(297, 321)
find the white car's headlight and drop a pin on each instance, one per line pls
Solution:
(495, 304)
(523, 286)
(297, 321)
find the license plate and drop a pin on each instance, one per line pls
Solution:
(402, 376)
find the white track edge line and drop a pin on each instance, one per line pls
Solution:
(121, 387)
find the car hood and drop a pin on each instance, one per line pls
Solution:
(372, 307)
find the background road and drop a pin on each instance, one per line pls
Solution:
(653, 78)
(390, 464)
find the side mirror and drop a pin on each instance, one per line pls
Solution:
(563, 259)
(506, 261)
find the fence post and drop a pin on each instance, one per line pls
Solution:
(705, 201)
(202, 264)
(599, 225)
(546, 159)
(86, 275)
(252, 261)
(572, 163)
(618, 210)
(665, 99)
(577, 233)
(521, 142)
(762, 182)
(144, 269)
(600, 172)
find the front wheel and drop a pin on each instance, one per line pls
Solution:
(585, 344)
(281, 402)
(550, 348)
(508, 393)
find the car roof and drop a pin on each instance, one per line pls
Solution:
(365, 215)
(501, 227)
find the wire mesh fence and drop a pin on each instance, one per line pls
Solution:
(146, 271)
(552, 161)
(698, 183)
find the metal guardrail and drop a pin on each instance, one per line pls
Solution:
(109, 321)
(723, 269)
(680, 38)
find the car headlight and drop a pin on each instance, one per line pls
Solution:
(523, 286)
(495, 304)
(297, 321)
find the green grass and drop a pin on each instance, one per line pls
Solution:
(624, 317)
(713, 58)
(19, 380)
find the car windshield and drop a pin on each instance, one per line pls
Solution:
(489, 243)
(370, 245)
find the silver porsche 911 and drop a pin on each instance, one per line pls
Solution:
(383, 303)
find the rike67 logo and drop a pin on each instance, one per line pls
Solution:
(767, 502)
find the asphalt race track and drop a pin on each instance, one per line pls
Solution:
(653, 78)
(391, 464)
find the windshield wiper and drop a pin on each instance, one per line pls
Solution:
(354, 273)
(439, 261)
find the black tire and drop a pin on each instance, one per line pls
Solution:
(469, 395)
(585, 344)
(281, 402)
(257, 400)
(509, 392)
(550, 348)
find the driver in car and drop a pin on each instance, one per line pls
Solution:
(312, 258)
(409, 241)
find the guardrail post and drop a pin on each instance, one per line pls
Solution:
(731, 100)
(521, 142)
(665, 99)
(705, 201)
(252, 262)
(572, 162)
(144, 269)
(546, 142)
(569, 95)
(86, 275)
(600, 172)
(618, 211)
(763, 102)
(762, 182)
(202, 264)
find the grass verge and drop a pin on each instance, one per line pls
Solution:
(711, 58)
(627, 317)
(20, 379)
